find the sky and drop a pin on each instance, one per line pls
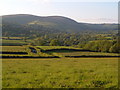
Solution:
(88, 11)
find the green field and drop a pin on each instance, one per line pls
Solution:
(52, 72)
(57, 52)
(13, 48)
(60, 73)
(56, 47)
(82, 53)
(13, 42)
(47, 51)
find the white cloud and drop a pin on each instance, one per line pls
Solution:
(100, 20)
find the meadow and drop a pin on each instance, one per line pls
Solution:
(56, 47)
(27, 66)
(13, 48)
(60, 73)
(82, 53)
(13, 42)
(57, 52)
(48, 51)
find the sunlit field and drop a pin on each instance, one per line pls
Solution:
(60, 73)
(59, 44)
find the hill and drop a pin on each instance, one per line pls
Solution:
(24, 23)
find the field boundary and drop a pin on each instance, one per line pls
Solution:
(28, 57)
(13, 53)
(60, 57)
(91, 56)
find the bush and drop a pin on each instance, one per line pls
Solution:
(115, 48)
(100, 46)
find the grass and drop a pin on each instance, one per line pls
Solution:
(55, 47)
(13, 42)
(82, 53)
(14, 55)
(22, 49)
(60, 73)
(13, 48)
(12, 38)
(61, 51)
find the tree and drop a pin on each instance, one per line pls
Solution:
(115, 48)
(40, 41)
(54, 42)
(105, 46)
(100, 45)
(89, 46)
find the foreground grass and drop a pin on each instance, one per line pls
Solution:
(57, 73)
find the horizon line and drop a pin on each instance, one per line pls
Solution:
(65, 17)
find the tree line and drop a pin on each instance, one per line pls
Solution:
(85, 41)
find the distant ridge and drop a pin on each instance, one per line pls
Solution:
(55, 23)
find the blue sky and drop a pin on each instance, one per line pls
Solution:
(91, 11)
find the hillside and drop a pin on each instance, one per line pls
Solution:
(23, 23)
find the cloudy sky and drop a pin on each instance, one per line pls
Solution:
(90, 11)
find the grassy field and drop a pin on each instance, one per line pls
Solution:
(60, 73)
(12, 38)
(56, 47)
(23, 48)
(57, 72)
(13, 42)
(82, 53)
(13, 48)
(47, 51)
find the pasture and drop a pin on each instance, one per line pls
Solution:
(48, 51)
(60, 73)
(13, 48)
(56, 47)
(26, 71)
(13, 42)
